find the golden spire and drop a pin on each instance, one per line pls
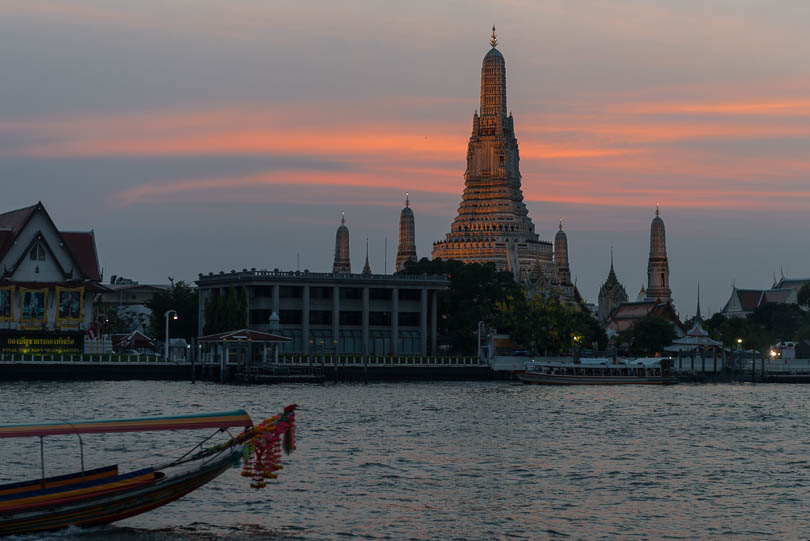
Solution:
(493, 39)
(657, 210)
(342, 218)
(560, 224)
(407, 201)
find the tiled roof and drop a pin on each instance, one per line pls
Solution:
(15, 219)
(749, 298)
(82, 246)
(244, 335)
(778, 296)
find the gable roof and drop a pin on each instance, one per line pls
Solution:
(80, 245)
(244, 335)
(626, 314)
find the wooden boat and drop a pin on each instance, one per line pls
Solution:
(600, 372)
(104, 495)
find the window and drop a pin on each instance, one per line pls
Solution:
(500, 161)
(38, 252)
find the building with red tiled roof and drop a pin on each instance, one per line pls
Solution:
(48, 280)
(627, 314)
(744, 301)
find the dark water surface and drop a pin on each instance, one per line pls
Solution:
(490, 460)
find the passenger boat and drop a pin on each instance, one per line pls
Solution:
(603, 371)
(103, 495)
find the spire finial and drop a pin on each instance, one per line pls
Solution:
(657, 209)
(407, 201)
(342, 218)
(560, 224)
(697, 312)
(611, 258)
(493, 39)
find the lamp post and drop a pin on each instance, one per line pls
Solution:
(166, 315)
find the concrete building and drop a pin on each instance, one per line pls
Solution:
(369, 314)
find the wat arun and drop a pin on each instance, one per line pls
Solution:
(493, 223)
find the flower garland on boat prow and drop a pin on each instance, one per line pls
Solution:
(262, 448)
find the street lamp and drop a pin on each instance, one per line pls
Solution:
(166, 315)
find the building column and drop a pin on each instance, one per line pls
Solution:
(365, 321)
(336, 318)
(246, 293)
(395, 321)
(276, 300)
(305, 319)
(433, 322)
(423, 308)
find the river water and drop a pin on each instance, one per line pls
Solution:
(491, 460)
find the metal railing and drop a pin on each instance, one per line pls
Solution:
(82, 358)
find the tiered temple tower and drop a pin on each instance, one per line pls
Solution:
(493, 224)
(658, 265)
(342, 264)
(406, 251)
(561, 258)
(611, 294)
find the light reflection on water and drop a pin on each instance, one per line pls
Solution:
(489, 460)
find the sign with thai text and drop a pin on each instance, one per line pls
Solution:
(39, 343)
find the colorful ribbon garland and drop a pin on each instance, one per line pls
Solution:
(261, 456)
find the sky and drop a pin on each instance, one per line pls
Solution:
(199, 136)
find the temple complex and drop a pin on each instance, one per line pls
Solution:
(406, 250)
(493, 223)
(342, 263)
(655, 300)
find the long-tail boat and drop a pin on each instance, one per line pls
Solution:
(103, 495)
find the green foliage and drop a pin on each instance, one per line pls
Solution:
(649, 336)
(779, 320)
(545, 326)
(122, 321)
(804, 295)
(475, 290)
(181, 298)
(225, 312)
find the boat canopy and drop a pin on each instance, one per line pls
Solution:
(222, 419)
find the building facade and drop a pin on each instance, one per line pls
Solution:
(48, 281)
(336, 312)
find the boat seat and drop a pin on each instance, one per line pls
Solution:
(49, 496)
(59, 480)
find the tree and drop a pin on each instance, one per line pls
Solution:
(804, 295)
(183, 299)
(546, 326)
(649, 336)
(779, 321)
(225, 312)
(475, 289)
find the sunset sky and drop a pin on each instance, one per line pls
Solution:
(199, 136)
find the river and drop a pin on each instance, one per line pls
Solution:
(484, 460)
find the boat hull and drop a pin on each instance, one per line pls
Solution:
(559, 379)
(113, 507)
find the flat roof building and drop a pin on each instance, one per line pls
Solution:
(373, 314)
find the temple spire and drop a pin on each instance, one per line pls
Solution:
(697, 312)
(493, 39)
(366, 268)
(407, 201)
